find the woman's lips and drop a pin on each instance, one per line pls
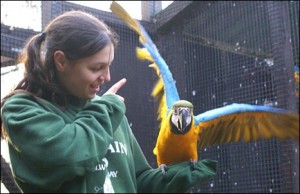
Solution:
(95, 88)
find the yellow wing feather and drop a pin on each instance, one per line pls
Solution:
(250, 126)
(158, 92)
(159, 96)
(125, 17)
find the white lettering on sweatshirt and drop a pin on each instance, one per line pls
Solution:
(117, 147)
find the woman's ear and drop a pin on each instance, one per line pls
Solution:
(60, 60)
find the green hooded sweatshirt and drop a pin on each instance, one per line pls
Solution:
(85, 148)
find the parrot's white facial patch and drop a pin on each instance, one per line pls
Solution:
(182, 117)
(178, 110)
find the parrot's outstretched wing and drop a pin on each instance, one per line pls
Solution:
(223, 125)
(245, 122)
(169, 84)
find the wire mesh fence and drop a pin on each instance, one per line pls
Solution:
(219, 52)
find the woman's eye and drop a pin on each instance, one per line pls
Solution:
(96, 69)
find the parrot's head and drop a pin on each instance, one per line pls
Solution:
(182, 116)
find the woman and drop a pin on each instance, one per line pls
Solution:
(62, 136)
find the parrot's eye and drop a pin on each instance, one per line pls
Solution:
(189, 110)
(176, 110)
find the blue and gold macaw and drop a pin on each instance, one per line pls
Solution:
(182, 132)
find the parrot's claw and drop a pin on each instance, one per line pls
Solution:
(193, 163)
(163, 168)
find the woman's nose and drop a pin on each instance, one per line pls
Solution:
(107, 77)
(104, 77)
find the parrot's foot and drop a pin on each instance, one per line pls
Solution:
(163, 168)
(193, 163)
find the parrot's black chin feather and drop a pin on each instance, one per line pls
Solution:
(175, 130)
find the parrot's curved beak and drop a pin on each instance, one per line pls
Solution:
(183, 120)
(183, 114)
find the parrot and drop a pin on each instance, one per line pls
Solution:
(182, 132)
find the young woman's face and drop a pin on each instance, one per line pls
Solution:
(84, 77)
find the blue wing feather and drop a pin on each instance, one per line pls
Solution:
(169, 83)
(146, 35)
(233, 109)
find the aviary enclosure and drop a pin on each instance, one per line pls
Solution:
(219, 52)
